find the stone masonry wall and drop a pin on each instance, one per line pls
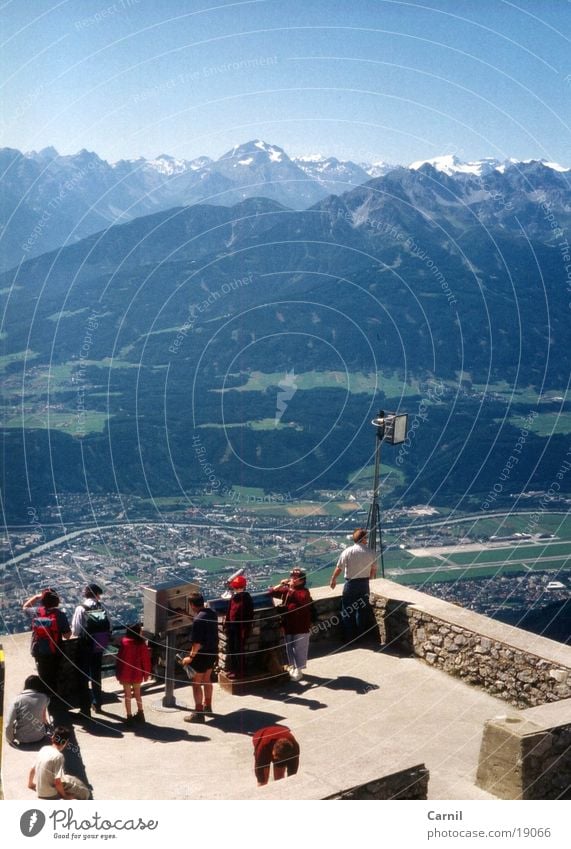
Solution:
(522, 758)
(547, 765)
(521, 677)
(408, 784)
(464, 644)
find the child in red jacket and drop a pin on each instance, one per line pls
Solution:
(133, 666)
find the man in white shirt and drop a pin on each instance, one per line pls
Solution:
(358, 564)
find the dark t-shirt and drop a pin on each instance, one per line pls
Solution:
(205, 631)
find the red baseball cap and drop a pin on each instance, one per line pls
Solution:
(238, 583)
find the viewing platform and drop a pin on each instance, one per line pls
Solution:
(362, 716)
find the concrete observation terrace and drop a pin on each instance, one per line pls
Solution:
(381, 718)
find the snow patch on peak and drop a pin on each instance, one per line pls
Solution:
(554, 166)
(311, 157)
(274, 153)
(167, 165)
(513, 163)
(450, 164)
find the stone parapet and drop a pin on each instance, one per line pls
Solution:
(529, 756)
(411, 783)
(522, 668)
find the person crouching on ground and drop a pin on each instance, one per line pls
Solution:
(275, 745)
(133, 666)
(47, 776)
(27, 718)
(202, 656)
(296, 602)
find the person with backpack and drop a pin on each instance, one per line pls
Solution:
(92, 627)
(50, 627)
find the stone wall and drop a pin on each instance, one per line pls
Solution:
(529, 756)
(523, 669)
(409, 783)
(511, 664)
(327, 616)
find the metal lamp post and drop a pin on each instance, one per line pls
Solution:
(391, 428)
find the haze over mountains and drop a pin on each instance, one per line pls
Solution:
(440, 288)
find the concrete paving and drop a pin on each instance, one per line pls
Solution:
(358, 715)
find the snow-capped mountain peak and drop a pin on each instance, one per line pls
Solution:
(276, 154)
(257, 151)
(450, 164)
(167, 165)
(311, 157)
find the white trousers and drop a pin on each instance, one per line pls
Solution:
(297, 647)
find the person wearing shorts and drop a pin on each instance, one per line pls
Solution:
(202, 656)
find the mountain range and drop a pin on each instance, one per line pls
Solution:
(48, 200)
(258, 340)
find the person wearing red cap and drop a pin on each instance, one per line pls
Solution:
(238, 627)
(359, 564)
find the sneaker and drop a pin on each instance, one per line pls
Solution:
(296, 675)
(197, 716)
(139, 716)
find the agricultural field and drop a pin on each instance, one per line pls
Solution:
(552, 555)
(354, 382)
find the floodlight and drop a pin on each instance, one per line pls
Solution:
(391, 428)
(395, 428)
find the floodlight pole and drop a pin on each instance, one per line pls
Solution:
(374, 517)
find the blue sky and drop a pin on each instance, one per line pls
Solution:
(362, 79)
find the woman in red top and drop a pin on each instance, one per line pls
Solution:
(133, 666)
(275, 745)
(296, 620)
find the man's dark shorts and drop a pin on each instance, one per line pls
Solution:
(203, 662)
